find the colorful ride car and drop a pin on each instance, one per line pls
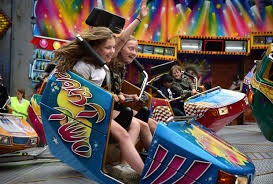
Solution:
(216, 108)
(16, 134)
(76, 115)
(213, 108)
(260, 95)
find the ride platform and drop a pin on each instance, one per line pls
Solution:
(38, 166)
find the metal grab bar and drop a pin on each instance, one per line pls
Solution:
(180, 118)
(7, 102)
(271, 56)
(160, 92)
(8, 114)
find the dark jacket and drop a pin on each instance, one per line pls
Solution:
(183, 86)
(174, 104)
(3, 96)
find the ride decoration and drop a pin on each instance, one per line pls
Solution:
(4, 23)
(34, 114)
(167, 18)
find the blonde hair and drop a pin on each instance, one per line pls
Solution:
(68, 55)
(175, 67)
(116, 62)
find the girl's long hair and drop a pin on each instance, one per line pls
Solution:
(117, 62)
(68, 55)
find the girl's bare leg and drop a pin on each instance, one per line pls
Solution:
(145, 133)
(134, 128)
(127, 148)
(152, 125)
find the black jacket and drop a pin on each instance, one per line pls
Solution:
(3, 96)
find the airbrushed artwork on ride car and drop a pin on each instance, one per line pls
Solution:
(35, 103)
(267, 90)
(217, 147)
(14, 126)
(73, 102)
(34, 114)
(195, 171)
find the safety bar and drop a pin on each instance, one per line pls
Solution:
(160, 92)
(144, 82)
(8, 114)
(271, 56)
(180, 118)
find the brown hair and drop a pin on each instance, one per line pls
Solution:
(192, 68)
(22, 91)
(175, 67)
(68, 55)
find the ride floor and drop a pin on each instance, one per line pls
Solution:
(40, 167)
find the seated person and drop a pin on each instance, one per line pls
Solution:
(181, 82)
(19, 104)
(237, 84)
(169, 92)
(194, 71)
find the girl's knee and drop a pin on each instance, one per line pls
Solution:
(124, 135)
(144, 125)
(135, 123)
(120, 133)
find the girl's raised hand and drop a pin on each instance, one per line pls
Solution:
(143, 9)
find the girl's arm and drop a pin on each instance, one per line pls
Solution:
(124, 36)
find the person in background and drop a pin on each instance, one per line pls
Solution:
(237, 84)
(38, 88)
(19, 104)
(169, 92)
(181, 83)
(3, 96)
(193, 71)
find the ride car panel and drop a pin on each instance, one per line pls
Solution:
(261, 94)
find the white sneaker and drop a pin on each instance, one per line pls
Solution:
(125, 173)
(129, 175)
(116, 171)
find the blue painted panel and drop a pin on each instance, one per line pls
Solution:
(76, 115)
(201, 151)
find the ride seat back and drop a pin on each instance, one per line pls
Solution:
(161, 110)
